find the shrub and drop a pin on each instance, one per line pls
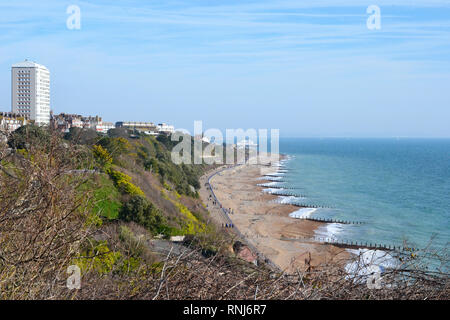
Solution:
(143, 212)
(28, 135)
(121, 144)
(118, 132)
(152, 165)
(123, 182)
(135, 246)
(82, 136)
(191, 224)
(98, 258)
(102, 156)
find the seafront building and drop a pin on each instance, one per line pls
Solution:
(165, 128)
(246, 144)
(10, 122)
(30, 104)
(65, 121)
(104, 127)
(139, 126)
(148, 128)
(30, 91)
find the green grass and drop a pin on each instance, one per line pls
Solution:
(107, 199)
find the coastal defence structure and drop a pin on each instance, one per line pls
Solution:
(30, 91)
(348, 244)
(226, 217)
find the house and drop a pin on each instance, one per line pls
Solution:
(10, 121)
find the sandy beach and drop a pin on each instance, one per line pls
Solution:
(266, 224)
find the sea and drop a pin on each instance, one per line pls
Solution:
(395, 191)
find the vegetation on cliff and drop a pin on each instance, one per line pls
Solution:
(105, 203)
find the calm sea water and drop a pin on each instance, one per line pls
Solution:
(399, 188)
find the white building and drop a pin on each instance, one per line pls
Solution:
(247, 143)
(10, 122)
(165, 128)
(103, 127)
(133, 125)
(30, 96)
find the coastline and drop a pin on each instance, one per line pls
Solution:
(264, 223)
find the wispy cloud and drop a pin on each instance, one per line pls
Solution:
(173, 49)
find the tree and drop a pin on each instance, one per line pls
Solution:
(43, 217)
(29, 135)
(118, 133)
(82, 136)
(102, 156)
(143, 212)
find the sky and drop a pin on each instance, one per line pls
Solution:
(308, 68)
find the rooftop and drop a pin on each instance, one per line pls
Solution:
(28, 64)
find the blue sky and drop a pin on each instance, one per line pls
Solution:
(308, 68)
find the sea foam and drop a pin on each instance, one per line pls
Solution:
(273, 190)
(329, 230)
(270, 178)
(369, 262)
(269, 184)
(287, 199)
(303, 213)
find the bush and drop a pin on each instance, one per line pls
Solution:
(152, 165)
(99, 258)
(115, 146)
(82, 136)
(123, 182)
(135, 246)
(143, 212)
(118, 132)
(102, 156)
(28, 135)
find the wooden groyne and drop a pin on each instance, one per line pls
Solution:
(304, 205)
(231, 226)
(367, 245)
(287, 194)
(330, 220)
(265, 185)
(349, 244)
(273, 180)
(273, 176)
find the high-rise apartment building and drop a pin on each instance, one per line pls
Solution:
(31, 91)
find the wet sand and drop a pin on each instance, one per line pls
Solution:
(266, 224)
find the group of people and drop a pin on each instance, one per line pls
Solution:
(214, 202)
(227, 225)
(227, 211)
